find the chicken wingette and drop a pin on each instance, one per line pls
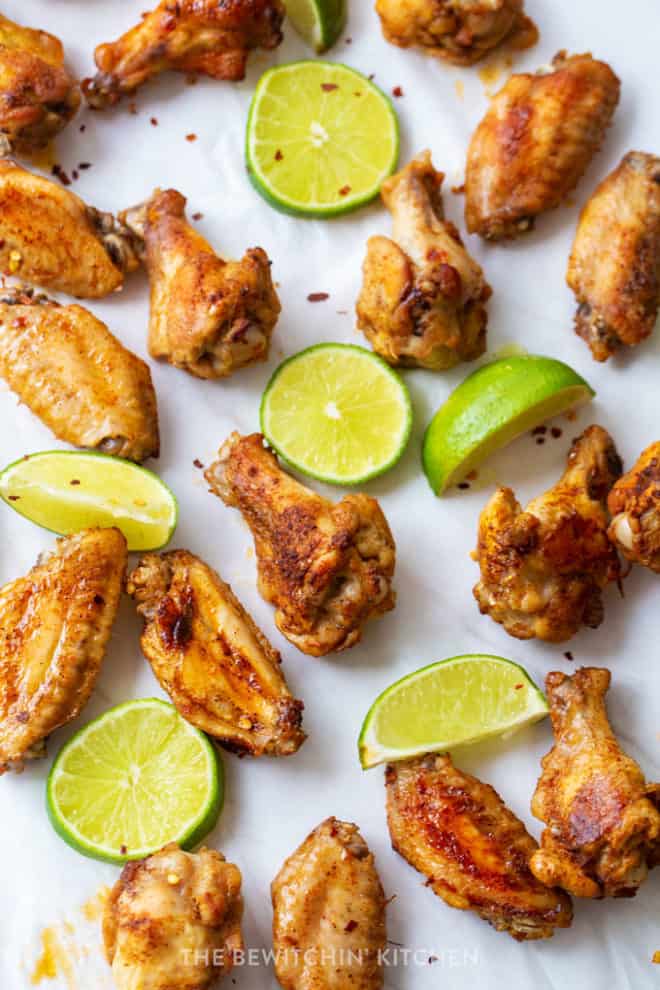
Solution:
(634, 504)
(422, 299)
(326, 568)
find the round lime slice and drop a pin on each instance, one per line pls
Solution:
(318, 22)
(133, 780)
(66, 490)
(461, 700)
(338, 413)
(320, 138)
(493, 406)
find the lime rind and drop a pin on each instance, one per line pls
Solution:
(318, 22)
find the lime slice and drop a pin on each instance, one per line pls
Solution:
(493, 406)
(133, 780)
(66, 490)
(318, 22)
(461, 700)
(320, 138)
(338, 413)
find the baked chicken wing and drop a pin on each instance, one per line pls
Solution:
(80, 380)
(49, 237)
(422, 298)
(458, 832)
(634, 504)
(603, 820)
(458, 31)
(543, 570)
(329, 913)
(538, 136)
(38, 95)
(208, 316)
(614, 267)
(55, 624)
(211, 37)
(326, 568)
(173, 921)
(217, 667)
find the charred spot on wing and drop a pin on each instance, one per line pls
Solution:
(175, 619)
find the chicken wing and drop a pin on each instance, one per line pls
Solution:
(79, 379)
(538, 136)
(543, 570)
(603, 820)
(634, 504)
(326, 568)
(206, 36)
(49, 237)
(217, 667)
(329, 913)
(208, 316)
(173, 921)
(38, 95)
(55, 624)
(422, 298)
(458, 31)
(458, 832)
(614, 267)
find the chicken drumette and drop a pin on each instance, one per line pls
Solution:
(326, 568)
(614, 268)
(217, 667)
(173, 921)
(538, 136)
(603, 821)
(634, 504)
(208, 316)
(543, 570)
(458, 832)
(422, 299)
(211, 37)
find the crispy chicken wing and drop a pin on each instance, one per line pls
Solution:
(55, 624)
(326, 568)
(49, 237)
(79, 379)
(603, 820)
(458, 832)
(634, 503)
(614, 267)
(329, 913)
(208, 316)
(217, 667)
(543, 570)
(538, 136)
(173, 921)
(212, 37)
(422, 298)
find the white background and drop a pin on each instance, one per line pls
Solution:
(272, 804)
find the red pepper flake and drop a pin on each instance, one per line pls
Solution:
(198, 463)
(328, 87)
(153, 121)
(348, 41)
(74, 173)
(540, 441)
(472, 476)
(192, 80)
(123, 849)
(568, 655)
(13, 498)
(60, 174)
(132, 108)
(351, 925)
(198, 216)
(278, 155)
(191, 137)
(397, 91)
(463, 485)
(318, 296)
(74, 481)
(82, 128)
(20, 321)
(371, 76)
(458, 190)
(344, 191)
(84, 165)
(432, 959)
(539, 431)
(556, 431)
(518, 687)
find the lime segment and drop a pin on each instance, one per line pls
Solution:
(318, 22)
(65, 491)
(461, 700)
(133, 780)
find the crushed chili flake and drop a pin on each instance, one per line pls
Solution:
(153, 121)
(13, 498)
(278, 155)
(197, 216)
(539, 431)
(198, 463)
(568, 655)
(348, 41)
(463, 485)
(518, 687)
(318, 296)
(432, 959)
(74, 481)
(84, 165)
(123, 849)
(472, 476)
(458, 190)
(344, 191)
(556, 432)
(191, 137)
(328, 87)
(371, 76)
(132, 107)
(60, 174)
(540, 441)
(82, 128)
(351, 925)
(74, 173)
(397, 91)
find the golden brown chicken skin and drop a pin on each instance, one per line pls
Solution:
(634, 504)
(603, 820)
(614, 267)
(538, 136)
(76, 376)
(329, 913)
(49, 237)
(458, 832)
(458, 31)
(210, 37)
(173, 921)
(422, 298)
(55, 624)
(220, 671)
(208, 316)
(326, 568)
(543, 570)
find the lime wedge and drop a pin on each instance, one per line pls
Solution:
(318, 22)
(320, 138)
(338, 413)
(133, 780)
(461, 700)
(493, 406)
(66, 490)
